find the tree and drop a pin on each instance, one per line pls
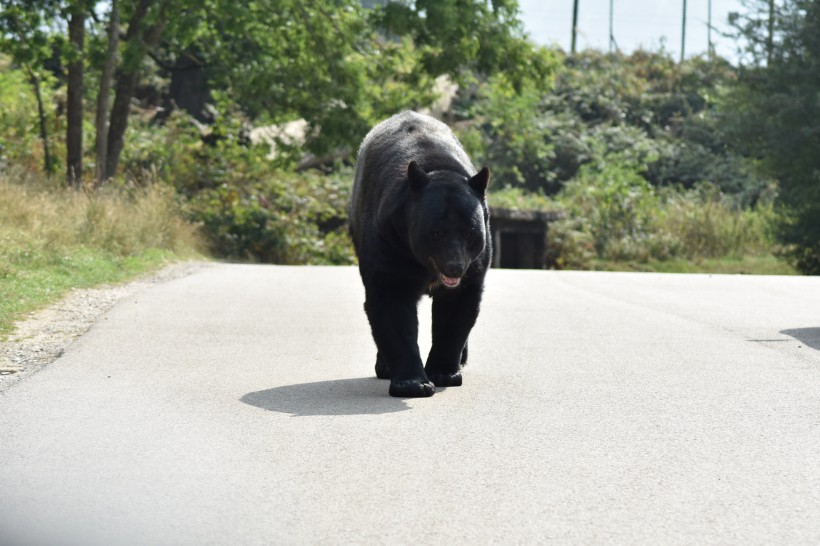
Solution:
(145, 27)
(343, 67)
(74, 100)
(30, 33)
(106, 77)
(25, 36)
(481, 36)
(773, 114)
(334, 63)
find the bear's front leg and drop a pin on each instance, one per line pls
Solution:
(394, 323)
(454, 314)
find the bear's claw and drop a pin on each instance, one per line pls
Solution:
(443, 379)
(412, 388)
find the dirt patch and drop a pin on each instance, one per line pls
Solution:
(42, 336)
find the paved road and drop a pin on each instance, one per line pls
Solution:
(237, 406)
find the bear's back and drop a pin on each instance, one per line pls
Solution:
(387, 150)
(410, 136)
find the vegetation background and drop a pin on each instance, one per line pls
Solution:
(138, 131)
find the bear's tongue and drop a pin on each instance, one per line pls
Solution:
(450, 282)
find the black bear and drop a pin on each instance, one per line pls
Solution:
(420, 224)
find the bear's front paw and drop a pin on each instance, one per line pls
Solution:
(444, 379)
(412, 388)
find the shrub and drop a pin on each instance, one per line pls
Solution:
(612, 213)
(250, 207)
(645, 108)
(287, 218)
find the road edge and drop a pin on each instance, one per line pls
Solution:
(43, 336)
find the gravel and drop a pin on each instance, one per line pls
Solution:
(41, 337)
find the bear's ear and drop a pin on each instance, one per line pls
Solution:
(417, 177)
(480, 181)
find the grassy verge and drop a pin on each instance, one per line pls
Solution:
(53, 240)
(747, 265)
(615, 221)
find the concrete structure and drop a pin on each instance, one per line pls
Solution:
(520, 237)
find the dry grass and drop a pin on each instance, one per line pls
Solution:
(53, 239)
(37, 214)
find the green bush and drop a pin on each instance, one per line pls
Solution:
(251, 208)
(512, 139)
(612, 213)
(288, 218)
(644, 108)
(614, 208)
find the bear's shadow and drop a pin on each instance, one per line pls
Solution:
(808, 336)
(359, 396)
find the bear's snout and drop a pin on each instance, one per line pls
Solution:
(453, 268)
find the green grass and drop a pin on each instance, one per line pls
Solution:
(748, 265)
(53, 240)
(31, 285)
(615, 221)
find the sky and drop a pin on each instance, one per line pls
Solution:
(637, 23)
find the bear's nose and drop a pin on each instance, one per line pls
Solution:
(453, 269)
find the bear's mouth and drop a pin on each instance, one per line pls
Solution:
(449, 282)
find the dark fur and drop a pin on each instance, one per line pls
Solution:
(418, 217)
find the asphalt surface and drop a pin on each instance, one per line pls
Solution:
(238, 405)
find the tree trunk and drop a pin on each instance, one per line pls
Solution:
(126, 83)
(128, 76)
(41, 114)
(101, 120)
(74, 101)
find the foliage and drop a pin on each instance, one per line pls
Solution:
(25, 30)
(287, 59)
(248, 207)
(287, 218)
(641, 108)
(612, 214)
(342, 67)
(19, 140)
(517, 198)
(513, 140)
(773, 114)
(746, 265)
(455, 36)
(634, 149)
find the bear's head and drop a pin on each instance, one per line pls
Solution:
(448, 221)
